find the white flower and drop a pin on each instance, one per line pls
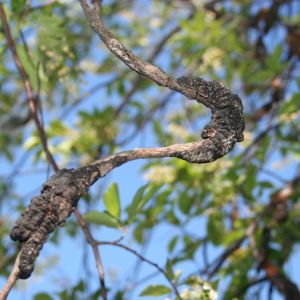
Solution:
(160, 174)
(202, 291)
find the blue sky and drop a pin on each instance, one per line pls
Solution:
(66, 259)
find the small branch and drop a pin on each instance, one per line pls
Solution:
(23, 265)
(60, 194)
(143, 68)
(28, 89)
(93, 244)
(151, 58)
(250, 284)
(227, 123)
(218, 262)
(142, 258)
(13, 277)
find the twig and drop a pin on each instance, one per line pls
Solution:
(151, 58)
(29, 91)
(218, 262)
(13, 277)
(32, 102)
(142, 258)
(93, 244)
(249, 285)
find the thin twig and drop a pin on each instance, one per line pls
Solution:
(250, 284)
(13, 277)
(142, 258)
(93, 244)
(28, 89)
(218, 262)
(32, 102)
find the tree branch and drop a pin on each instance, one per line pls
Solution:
(28, 89)
(60, 194)
(227, 123)
(23, 265)
(13, 277)
(93, 244)
(142, 258)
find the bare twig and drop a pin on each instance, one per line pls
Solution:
(13, 277)
(142, 258)
(29, 91)
(32, 102)
(250, 284)
(93, 244)
(216, 264)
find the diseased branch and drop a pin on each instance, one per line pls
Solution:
(227, 123)
(60, 194)
(23, 265)
(151, 59)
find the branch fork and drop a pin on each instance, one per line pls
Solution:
(60, 194)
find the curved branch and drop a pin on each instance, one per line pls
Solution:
(227, 122)
(62, 191)
(23, 265)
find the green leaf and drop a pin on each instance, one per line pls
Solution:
(29, 66)
(169, 269)
(140, 199)
(250, 181)
(58, 128)
(111, 200)
(139, 234)
(292, 105)
(133, 208)
(99, 218)
(274, 62)
(32, 142)
(17, 6)
(185, 203)
(216, 229)
(233, 236)
(155, 290)
(172, 243)
(42, 296)
(152, 190)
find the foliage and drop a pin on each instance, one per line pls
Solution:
(234, 221)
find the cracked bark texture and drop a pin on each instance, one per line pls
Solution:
(62, 191)
(47, 211)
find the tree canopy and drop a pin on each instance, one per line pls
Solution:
(202, 96)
